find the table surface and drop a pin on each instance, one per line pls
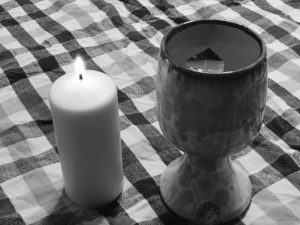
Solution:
(38, 42)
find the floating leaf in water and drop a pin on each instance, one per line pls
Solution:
(206, 61)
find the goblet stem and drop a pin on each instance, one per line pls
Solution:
(205, 190)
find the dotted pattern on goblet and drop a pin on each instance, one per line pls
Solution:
(212, 117)
(209, 119)
(204, 192)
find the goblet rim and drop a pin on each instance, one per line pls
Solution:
(226, 74)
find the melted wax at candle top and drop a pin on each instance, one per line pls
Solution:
(92, 91)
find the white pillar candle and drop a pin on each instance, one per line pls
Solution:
(84, 108)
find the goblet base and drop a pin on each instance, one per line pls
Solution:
(205, 190)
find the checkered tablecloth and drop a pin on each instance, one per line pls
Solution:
(38, 42)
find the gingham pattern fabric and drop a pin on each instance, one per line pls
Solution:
(38, 42)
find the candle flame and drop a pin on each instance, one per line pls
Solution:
(79, 67)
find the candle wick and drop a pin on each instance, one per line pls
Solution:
(80, 76)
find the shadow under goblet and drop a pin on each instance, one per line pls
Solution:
(210, 116)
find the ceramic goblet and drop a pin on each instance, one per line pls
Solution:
(210, 116)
